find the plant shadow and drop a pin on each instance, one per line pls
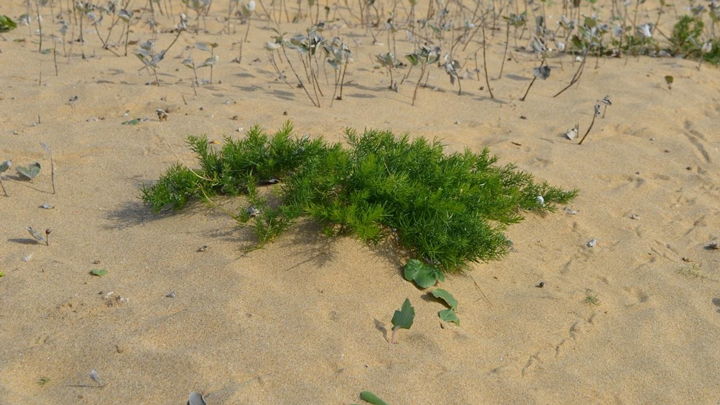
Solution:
(133, 213)
(381, 327)
(24, 241)
(318, 249)
(716, 302)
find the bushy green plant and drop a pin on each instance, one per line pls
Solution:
(446, 209)
(686, 34)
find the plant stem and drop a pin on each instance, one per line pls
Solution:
(3, 188)
(487, 80)
(589, 128)
(417, 85)
(576, 76)
(298, 78)
(507, 42)
(528, 89)
(39, 20)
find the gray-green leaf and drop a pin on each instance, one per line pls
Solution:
(445, 296)
(29, 172)
(4, 166)
(424, 275)
(449, 315)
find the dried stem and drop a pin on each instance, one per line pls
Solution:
(52, 165)
(487, 79)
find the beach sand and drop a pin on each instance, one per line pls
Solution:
(304, 319)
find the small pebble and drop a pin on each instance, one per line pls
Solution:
(592, 243)
(171, 295)
(713, 246)
(634, 216)
(570, 211)
(202, 248)
(46, 206)
(541, 285)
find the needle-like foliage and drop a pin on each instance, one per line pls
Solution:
(446, 209)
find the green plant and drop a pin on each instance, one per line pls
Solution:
(7, 24)
(447, 315)
(402, 319)
(446, 210)
(591, 297)
(369, 397)
(422, 57)
(686, 33)
(42, 381)
(422, 274)
(690, 271)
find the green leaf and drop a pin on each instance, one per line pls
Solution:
(6, 23)
(445, 296)
(449, 315)
(2, 274)
(46, 51)
(5, 165)
(403, 319)
(412, 268)
(424, 275)
(368, 396)
(29, 172)
(98, 272)
(131, 122)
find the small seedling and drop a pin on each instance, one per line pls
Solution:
(42, 381)
(606, 101)
(369, 397)
(422, 57)
(29, 172)
(690, 271)
(669, 80)
(4, 166)
(98, 272)
(387, 60)
(212, 60)
(95, 377)
(542, 72)
(591, 297)
(402, 319)
(424, 275)
(36, 235)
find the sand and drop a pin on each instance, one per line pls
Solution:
(302, 320)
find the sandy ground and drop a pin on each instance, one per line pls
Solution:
(301, 321)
